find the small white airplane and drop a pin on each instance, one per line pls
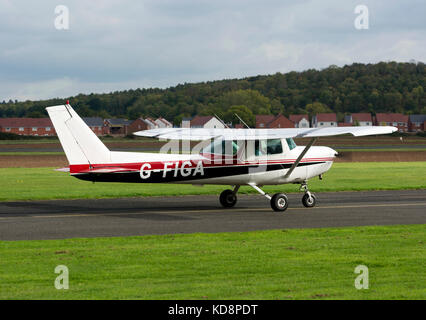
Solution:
(236, 157)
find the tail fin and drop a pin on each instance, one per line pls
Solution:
(80, 143)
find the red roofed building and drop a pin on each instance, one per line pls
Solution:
(324, 120)
(416, 122)
(361, 119)
(28, 126)
(271, 121)
(392, 119)
(262, 120)
(300, 120)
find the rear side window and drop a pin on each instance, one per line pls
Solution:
(222, 147)
(274, 146)
(264, 147)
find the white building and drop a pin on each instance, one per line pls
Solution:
(324, 120)
(206, 122)
(361, 119)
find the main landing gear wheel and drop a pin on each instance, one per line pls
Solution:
(228, 198)
(309, 200)
(279, 202)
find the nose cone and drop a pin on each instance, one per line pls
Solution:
(329, 152)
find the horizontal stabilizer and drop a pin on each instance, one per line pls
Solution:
(108, 170)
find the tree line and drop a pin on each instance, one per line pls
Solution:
(380, 87)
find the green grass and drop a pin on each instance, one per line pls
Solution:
(277, 264)
(45, 183)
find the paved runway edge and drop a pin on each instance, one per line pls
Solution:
(60, 219)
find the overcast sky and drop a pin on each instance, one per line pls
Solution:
(115, 45)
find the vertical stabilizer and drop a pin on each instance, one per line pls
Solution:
(80, 143)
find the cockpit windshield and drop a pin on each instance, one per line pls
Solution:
(291, 143)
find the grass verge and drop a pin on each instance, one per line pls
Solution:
(45, 183)
(276, 264)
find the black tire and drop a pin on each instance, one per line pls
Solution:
(228, 199)
(279, 202)
(309, 202)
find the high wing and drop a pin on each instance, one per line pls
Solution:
(200, 134)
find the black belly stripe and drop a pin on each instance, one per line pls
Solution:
(209, 172)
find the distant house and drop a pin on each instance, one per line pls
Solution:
(324, 120)
(116, 126)
(393, 119)
(263, 120)
(416, 122)
(28, 126)
(186, 123)
(300, 120)
(361, 119)
(344, 124)
(150, 123)
(206, 122)
(96, 124)
(271, 121)
(163, 123)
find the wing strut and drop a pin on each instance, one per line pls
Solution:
(296, 163)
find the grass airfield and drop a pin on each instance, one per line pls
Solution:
(276, 264)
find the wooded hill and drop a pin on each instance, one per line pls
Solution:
(381, 87)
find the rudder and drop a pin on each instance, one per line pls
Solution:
(80, 143)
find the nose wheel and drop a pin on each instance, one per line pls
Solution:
(309, 199)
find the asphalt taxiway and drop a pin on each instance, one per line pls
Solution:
(59, 219)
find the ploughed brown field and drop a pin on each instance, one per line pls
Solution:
(34, 161)
(333, 142)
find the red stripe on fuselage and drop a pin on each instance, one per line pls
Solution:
(159, 165)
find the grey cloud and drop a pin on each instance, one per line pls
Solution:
(114, 45)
